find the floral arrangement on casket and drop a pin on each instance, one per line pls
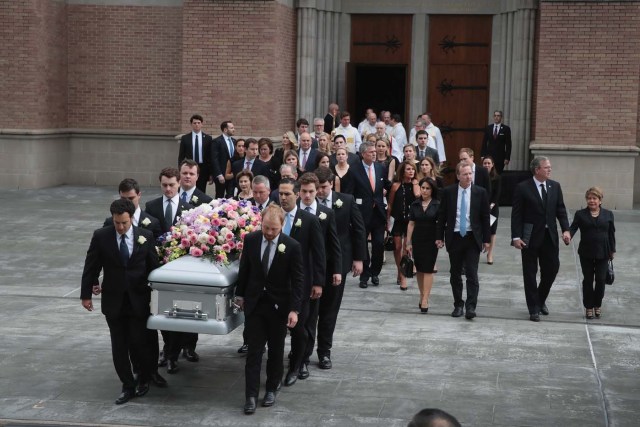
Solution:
(215, 231)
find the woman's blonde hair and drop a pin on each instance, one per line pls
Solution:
(596, 191)
(292, 137)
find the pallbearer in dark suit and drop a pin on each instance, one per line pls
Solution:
(496, 142)
(222, 152)
(197, 145)
(126, 254)
(130, 189)
(188, 191)
(306, 229)
(353, 248)
(270, 291)
(333, 274)
(537, 204)
(463, 223)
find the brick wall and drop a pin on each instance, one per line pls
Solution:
(33, 64)
(124, 67)
(239, 63)
(588, 73)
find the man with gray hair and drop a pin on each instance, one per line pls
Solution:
(368, 125)
(286, 171)
(318, 127)
(261, 191)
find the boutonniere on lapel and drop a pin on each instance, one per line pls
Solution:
(146, 222)
(322, 216)
(281, 248)
(194, 199)
(299, 223)
(338, 203)
(141, 240)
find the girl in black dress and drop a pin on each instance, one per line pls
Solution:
(389, 162)
(421, 238)
(344, 183)
(489, 165)
(403, 192)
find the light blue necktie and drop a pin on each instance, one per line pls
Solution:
(287, 225)
(463, 213)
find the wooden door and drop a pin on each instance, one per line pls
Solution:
(458, 86)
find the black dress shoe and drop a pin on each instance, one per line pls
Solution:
(534, 317)
(125, 396)
(142, 389)
(158, 380)
(325, 362)
(191, 355)
(304, 372)
(173, 367)
(363, 284)
(457, 312)
(470, 314)
(244, 348)
(162, 360)
(250, 405)
(544, 310)
(290, 379)
(269, 398)
(375, 280)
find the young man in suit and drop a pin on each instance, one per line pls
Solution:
(496, 142)
(127, 255)
(196, 145)
(250, 161)
(537, 204)
(167, 209)
(270, 291)
(463, 223)
(333, 273)
(479, 175)
(353, 248)
(306, 229)
(222, 152)
(369, 194)
(189, 193)
(130, 189)
(423, 150)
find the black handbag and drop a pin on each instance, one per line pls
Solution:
(388, 243)
(610, 274)
(406, 266)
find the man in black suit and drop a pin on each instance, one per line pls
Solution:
(197, 145)
(463, 223)
(480, 176)
(166, 209)
(331, 120)
(306, 153)
(250, 161)
(370, 183)
(189, 193)
(270, 291)
(127, 255)
(130, 189)
(302, 126)
(222, 152)
(422, 139)
(333, 272)
(537, 203)
(353, 248)
(496, 142)
(306, 229)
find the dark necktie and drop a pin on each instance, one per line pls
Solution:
(544, 195)
(324, 202)
(184, 197)
(168, 215)
(124, 250)
(196, 155)
(308, 209)
(495, 132)
(230, 144)
(265, 258)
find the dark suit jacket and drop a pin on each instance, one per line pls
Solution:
(333, 251)
(311, 159)
(155, 209)
(330, 123)
(186, 149)
(429, 152)
(528, 209)
(498, 148)
(153, 224)
(481, 178)
(269, 201)
(284, 282)
(351, 231)
(104, 255)
(309, 235)
(198, 198)
(258, 168)
(478, 214)
(372, 201)
(597, 235)
(351, 159)
(220, 155)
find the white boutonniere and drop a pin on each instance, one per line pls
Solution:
(338, 203)
(141, 240)
(299, 223)
(194, 199)
(281, 248)
(322, 216)
(146, 222)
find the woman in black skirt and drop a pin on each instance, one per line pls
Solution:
(494, 198)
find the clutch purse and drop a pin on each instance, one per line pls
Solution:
(610, 277)
(406, 266)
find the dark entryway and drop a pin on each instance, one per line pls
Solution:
(381, 87)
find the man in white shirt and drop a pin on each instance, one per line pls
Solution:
(434, 132)
(386, 118)
(418, 125)
(350, 133)
(399, 135)
(368, 125)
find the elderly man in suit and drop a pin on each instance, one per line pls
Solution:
(537, 204)
(270, 291)
(463, 223)
(496, 142)
(126, 254)
(370, 183)
(197, 145)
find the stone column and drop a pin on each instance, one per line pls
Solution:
(419, 68)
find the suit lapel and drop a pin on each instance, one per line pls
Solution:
(294, 229)
(276, 255)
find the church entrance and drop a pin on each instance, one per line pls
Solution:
(379, 87)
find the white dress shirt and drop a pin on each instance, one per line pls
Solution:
(128, 240)
(174, 205)
(312, 208)
(327, 201)
(434, 132)
(136, 216)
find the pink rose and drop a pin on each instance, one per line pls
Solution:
(229, 236)
(211, 240)
(197, 252)
(231, 244)
(184, 243)
(240, 245)
(215, 222)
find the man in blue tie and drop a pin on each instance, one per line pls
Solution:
(463, 223)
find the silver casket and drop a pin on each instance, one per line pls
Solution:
(195, 295)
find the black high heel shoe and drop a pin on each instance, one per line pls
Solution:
(424, 310)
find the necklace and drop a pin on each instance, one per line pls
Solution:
(595, 213)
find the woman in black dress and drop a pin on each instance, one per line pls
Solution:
(389, 162)
(403, 192)
(494, 198)
(344, 182)
(421, 238)
(597, 247)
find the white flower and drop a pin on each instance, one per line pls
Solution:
(338, 203)
(322, 216)
(141, 240)
(194, 199)
(146, 222)
(281, 248)
(299, 223)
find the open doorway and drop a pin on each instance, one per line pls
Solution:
(381, 87)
